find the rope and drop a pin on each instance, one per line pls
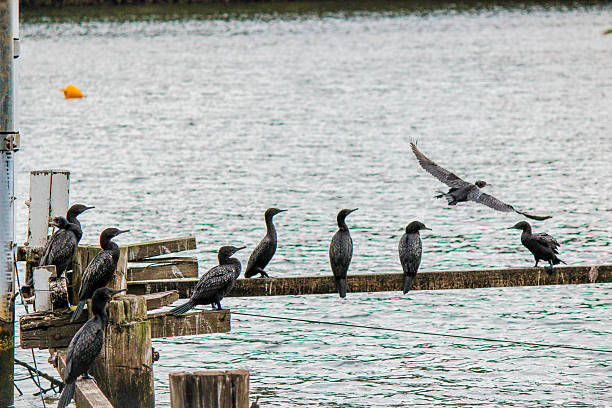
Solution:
(455, 336)
(25, 305)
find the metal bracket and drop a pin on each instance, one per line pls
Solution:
(9, 141)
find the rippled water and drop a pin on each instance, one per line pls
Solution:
(195, 126)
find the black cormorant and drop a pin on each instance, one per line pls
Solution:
(86, 344)
(541, 245)
(61, 246)
(410, 250)
(100, 271)
(341, 252)
(461, 190)
(74, 211)
(215, 283)
(264, 251)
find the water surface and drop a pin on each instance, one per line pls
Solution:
(197, 125)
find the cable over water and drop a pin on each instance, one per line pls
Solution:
(456, 336)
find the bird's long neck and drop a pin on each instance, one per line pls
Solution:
(99, 311)
(342, 224)
(526, 230)
(71, 216)
(76, 230)
(108, 245)
(270, 229)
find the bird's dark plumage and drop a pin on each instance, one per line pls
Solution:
(461, 190)
(541, 245)
(86, 344)
(264, 251)
(60, 248)
(341, 252)
(214, 284)
(410, 251)
(100, 271)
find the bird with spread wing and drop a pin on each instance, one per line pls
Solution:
(461, 190)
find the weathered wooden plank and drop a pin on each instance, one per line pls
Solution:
(149, 249)
(189, 324)
(210, 389)
(87, 394)
(48, 329)
(384, 282)
(164, 269)
(54, 330)
(157, 300)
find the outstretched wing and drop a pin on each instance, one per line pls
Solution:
(546, 240)
(483, 198)
(445, 176)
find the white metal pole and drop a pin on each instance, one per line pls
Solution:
(9, 143)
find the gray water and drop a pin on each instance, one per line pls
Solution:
(197, 125)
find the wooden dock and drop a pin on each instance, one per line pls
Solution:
(386, 282)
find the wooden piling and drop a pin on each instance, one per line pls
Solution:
(124, 370)
(210, 389)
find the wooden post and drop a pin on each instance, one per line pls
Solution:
(124, 370)
(210, 389)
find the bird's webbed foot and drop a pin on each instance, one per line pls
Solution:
(219, 306)
(264, 275)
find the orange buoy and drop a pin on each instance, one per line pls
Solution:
(72, 91)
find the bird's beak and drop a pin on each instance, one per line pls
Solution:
(53, 223)
(280, 211)
(355, 209)
(121, 232)
(427, 228)
(118, 291)
(88, 208)
(238, 249)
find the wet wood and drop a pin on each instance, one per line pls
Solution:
(54, 330)
(190, 324)
(124, 370)
(87, 394)
(210, 389)
(157, 300)
(150, 249)
(48, 329)
(161, 268)
(382, 282)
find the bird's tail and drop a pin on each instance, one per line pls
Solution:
(407, 283)
(556, 261)
(341, 286)
(67, 394)
(182, 308)
(78, 311)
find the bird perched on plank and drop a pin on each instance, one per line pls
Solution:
(264, 251)
(101, 270)
(541, 245)
(461, 190)
(410, 251)
(86, 344)
(62, 245)
(214, 284)
(341, 252)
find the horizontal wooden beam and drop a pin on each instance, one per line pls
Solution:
(160, 299)
(54, 330)
(164, 269)
(384, 282)
(87, 394)
(189, 324)
(144, 250)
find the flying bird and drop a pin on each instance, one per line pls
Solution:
(461, 190)
(541, 245)
(214, 284)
